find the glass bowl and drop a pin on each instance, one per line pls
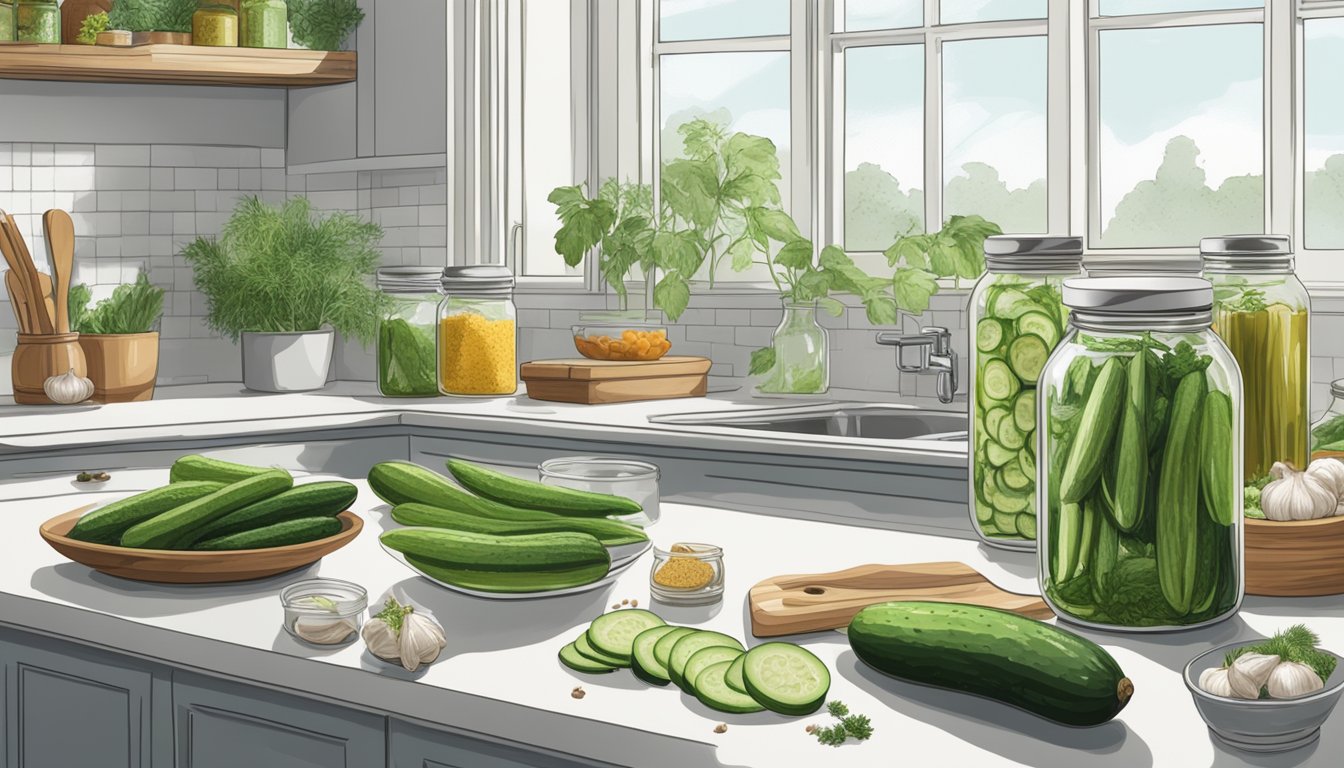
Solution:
(324, 611)
(621, 341)
(687, 574)
(635, 480)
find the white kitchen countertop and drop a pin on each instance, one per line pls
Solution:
(499, 674)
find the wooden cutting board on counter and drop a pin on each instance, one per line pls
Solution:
(791, 605)
(593, 382)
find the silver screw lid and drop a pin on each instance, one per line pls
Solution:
(1138, 295)
(409, 279)
(1247, 252)
(478, 280)
(1033, 253)
(1337, 388)
(1133, 264)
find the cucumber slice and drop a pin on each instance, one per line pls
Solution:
(662, 650)
(1026, 526)
(703, 658)
(712, 689)
(1040, 324)
(983, 512)
(614, 633)
(999, 383)
(733, 677)
(642, 661)
(786, 679)
(1027, 355)
(1009, 502)
(1006, 522)
(1024, 410)
(988, 334)
(994, 419)
(1014, 479)
(687, 646)
(586, 649)
(1011, 304)
(1026, 462)
(1009, 435)
(997, 455)
(579, 663)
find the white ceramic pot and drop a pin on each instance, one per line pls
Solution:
(286, 362)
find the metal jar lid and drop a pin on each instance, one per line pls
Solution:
(1139, 303)
(1234, 253)
(1337, 388)
(478, 280)
(1134, 264)
(1033, 253)
(409, 279)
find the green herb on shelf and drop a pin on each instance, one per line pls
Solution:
(152, 15)
(132, 308)
(323, 25)
(91, 26)
(1297, 643)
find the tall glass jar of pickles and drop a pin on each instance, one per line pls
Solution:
(1016, 319)
(478, 332)
(407, 354)
(1262, 312)
(1140, 459)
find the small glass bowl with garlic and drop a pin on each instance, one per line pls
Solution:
(324, 611)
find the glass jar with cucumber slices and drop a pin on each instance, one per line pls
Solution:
(1140, 459)
(1262, 312)
(1016, 319)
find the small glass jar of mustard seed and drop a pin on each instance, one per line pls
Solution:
(687, 574)
(215, 24)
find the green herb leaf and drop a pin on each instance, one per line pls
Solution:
(762, 360)
(858, 727)
(796, 254)
(672, 294)
(394, 613)
(913, 288)
(583, 222)
(132, 308)
(1183, 360)
(837, 709)
(152, 15)
(323, 25)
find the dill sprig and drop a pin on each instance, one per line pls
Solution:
(857, 727)
(1296, 643)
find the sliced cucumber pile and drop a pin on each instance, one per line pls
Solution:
(713, 667)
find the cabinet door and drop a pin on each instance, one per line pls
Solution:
(226, 725)
(411, 78)
(72, 707)
(321, 124)
(413, 746)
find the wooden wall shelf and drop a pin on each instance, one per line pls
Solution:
(180, 64)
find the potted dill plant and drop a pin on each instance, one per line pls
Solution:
(282, 280)
(118, 338)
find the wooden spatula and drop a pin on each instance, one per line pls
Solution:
(18, 301)
(60, 231)
(790, 605)
(21, 260)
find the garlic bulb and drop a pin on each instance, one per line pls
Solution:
(1296, 495)
(322, 631)
(68, 388)
(381, 639)
(1214, 680)
(1248, 674)
(1330, 472)
(1291, 679)
(420, 642)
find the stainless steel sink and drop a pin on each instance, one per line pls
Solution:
(874, 422)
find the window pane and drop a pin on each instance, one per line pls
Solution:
(1130, 7)
(994, 131)
(547, 133)
(736, 92)
(855, 15)
(1324, 81)
(1181, 154)
(961, 11)
(884, 145)
(710, 19)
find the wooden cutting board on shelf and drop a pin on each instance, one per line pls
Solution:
(791, 605)
(593, 382)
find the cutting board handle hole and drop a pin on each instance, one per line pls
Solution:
(814, 591)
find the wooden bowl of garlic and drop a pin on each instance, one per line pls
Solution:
(1298, 550)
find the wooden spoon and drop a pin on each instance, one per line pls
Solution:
(60, 231)
(20, 256)
(19, 301)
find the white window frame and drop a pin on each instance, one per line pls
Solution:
(1319, 268)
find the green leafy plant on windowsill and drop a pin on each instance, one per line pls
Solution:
(152, 15)
(91, 26)
(132, 308)
(323, 25)
(286, 269)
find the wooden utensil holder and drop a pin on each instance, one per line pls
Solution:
(37, 358)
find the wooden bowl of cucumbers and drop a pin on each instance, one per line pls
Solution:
(215, 522)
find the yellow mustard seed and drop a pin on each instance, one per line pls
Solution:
(477, 356)
(684, 573)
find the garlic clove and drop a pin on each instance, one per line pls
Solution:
(323, 631)
(1291, 679)
(1249, 672)
(420, 642)
(1214, 680)
(68, 388)
(1330, 472)
(381, 640)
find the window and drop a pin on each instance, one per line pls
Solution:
(1179, 150)
(1323, 82)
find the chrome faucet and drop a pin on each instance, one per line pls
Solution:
(934, 346)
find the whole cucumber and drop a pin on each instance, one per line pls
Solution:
(400, 482)
(1177, 508)
(322, 499)
(279, 534)
(996, 654)
(170, 529)
(106, 524)
(481, 552)
(1216, 486)
(611, 533)
(1096, 432)
(508, 581)
(1131, 451)
(198, 467)
(530, 494)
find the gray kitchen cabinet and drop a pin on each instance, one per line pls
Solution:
(413, 746)
(67, 706)
(220, 724)
(398, 105)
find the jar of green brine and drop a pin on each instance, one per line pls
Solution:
(1016, 319)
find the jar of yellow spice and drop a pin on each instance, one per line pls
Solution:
(215, 24)
(478, 332)
(687, 574)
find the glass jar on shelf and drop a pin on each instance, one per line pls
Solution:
(214, 24)
(1262, 312)
(478, 332)
(263, 24)
(37, 21)
(6, 21)
(1016, 319)
(406, 332)
(1327, 432)
(1139, 455)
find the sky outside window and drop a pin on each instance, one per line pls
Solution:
(884, 144)
(1131, 7)
(962, 11)
(1323, 202)
(713, 19)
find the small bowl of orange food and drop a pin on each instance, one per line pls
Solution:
(625, 341)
